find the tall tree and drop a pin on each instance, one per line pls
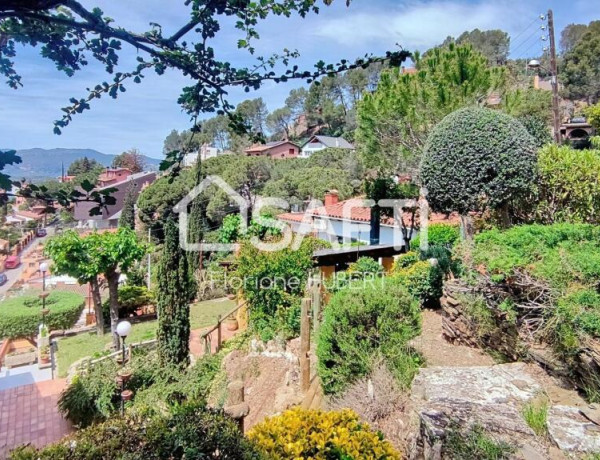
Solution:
(571, 35)
(174, 294)
(395, 120)
(493, 44)
(82, 166)
(581, 67)
(280, 121)
(197, 217)
(132, 159)
(71, 255)
(127, 219)
(111, 254)
(255, 112)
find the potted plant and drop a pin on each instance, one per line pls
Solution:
(45, 355)
(231, 323)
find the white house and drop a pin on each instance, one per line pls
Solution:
(205, 152)
(317, 143)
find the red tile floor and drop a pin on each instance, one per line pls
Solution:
(28, 414)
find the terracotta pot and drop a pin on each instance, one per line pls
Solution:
(45, 359)
(231, 324)
(231, 296)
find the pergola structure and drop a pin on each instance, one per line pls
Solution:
(330, 260)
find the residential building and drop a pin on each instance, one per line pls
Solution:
(110, 215)
(113, 176)
(349, 221)
(206, 151)
(318, 143)
(278, 150)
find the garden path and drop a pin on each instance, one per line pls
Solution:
(28, 414)
(438, 352)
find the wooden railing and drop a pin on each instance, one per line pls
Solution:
(206, 336)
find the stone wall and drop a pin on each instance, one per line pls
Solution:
(506, 338)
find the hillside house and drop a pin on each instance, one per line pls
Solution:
(318, 143)
(111, 213)
(112, 176)
(349, 221)
(276, 150)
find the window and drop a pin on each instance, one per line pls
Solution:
(291, 152)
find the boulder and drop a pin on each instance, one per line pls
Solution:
(572, 430)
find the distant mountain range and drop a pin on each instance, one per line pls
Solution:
(41, 164)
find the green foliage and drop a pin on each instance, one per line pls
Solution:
(127, 218)
(273, 284)
(82, 166)
(395, 120)
(134, 297)
(422, 280)
(190, 431)
(568, 185)
(366, 265)
(231, 231)
(493, 44)
(21, 316)
(529, 102)
(361, 326)
(580, 70)
(477, 159)
(538, 128)
(176, 289)
(474, 443)
(536, 416)
(438, 235)
(132, 159)
(593, 115)
(364, 270)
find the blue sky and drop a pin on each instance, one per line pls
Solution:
(144, 115)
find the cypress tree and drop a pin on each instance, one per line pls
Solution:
(127, 218)
(175, 289)
(196, 219)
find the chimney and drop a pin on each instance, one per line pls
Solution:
(536, 82)
(331, 197)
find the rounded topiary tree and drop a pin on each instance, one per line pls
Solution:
(477, 159)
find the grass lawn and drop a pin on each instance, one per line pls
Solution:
(71, 349)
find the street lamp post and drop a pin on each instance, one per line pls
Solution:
(43, 295)
(123, 329)
(535, 64)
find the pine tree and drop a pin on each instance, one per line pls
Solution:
(175, 289)
(127, 218)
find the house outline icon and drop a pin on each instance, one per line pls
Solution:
(181, 208)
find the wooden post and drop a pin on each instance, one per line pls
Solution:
(236, 408)
(315, 294)
(218, 333)
(305, 345)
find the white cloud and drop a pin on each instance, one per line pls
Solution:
(420, 25)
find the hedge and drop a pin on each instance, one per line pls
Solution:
(21, 316)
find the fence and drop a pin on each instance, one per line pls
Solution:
(206, 336)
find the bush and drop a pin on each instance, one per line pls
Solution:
(190, 431)
(424, 281)
(438, 235)
(474, 443)
(360, 327)
(131, 298)
(21, 316)
(93, 396)
(568, 185)
(273, 285)
(322, 435)
(476, 159)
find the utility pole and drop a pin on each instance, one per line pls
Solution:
(554, 72)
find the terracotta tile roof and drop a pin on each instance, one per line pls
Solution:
(360, 213)
(267, 146)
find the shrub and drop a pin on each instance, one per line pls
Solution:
(21, 316)
(190, 431)
(322, 435)
(273, 286)
(476, 159)
(365, 265)
(538, 128)
(130, 299)
(536, 416)
(568, 185)
(438, 235)
(360, 327)
(93, 395)
(424, 281)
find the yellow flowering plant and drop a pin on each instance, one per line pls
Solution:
(314, 434)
